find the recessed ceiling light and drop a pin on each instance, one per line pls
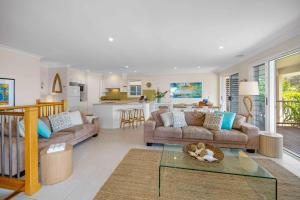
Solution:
(175, 68)
(111, 39)
(198, 67)
(110, 72)
(134, 71)
(126, 66)
(88, 70)
(221, 47)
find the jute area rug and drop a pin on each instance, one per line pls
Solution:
(136, 178)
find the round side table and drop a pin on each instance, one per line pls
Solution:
(57, 166)
(271, 144)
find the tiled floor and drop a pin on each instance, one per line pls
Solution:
(95, 160)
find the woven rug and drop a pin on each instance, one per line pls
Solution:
(136, 178)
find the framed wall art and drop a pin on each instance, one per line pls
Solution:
(7, 92)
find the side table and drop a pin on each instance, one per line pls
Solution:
(271, 144)
(57, 166)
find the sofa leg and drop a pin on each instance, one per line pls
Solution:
(250, 150)
(95, 135)
(148, 144)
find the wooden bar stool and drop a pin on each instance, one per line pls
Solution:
(139, 116)
(126, 117)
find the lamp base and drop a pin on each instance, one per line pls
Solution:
(249, 106)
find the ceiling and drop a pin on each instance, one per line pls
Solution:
(150, 36)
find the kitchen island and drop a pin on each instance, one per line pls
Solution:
(109, 112)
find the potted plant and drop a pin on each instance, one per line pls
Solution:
(160, 95)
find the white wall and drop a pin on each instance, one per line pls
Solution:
(94, 84)
(25, 69)
(209, 81)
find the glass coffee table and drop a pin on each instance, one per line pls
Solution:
(236, 165)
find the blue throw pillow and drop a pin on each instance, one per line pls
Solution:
(228, 118)
(43, 129)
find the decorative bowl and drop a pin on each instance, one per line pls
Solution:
(218, 154)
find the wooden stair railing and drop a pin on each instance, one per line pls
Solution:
(30, 114)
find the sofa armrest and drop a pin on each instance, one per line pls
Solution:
(149, 128)
(253, 135)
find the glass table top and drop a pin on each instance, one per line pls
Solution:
(235, 162)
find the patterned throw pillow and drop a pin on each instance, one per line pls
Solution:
(238, 121)
(179, 120)
(213, 121)
(60, 121)
(167, 119)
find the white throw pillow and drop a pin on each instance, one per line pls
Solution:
(60, 121)
(167, 119)
(179, 120)
(75, 118)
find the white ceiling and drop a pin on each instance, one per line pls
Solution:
(150, 36)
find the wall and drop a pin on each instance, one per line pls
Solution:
(113, 81)
(244, 67)
(94, 83)
(162, 82)
(25, 69)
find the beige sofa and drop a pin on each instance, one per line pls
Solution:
(244, 135)
(72, 135)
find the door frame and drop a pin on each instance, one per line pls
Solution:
(272, 86)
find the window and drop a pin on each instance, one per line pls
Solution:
(234, 93)
(135, 88)
(258, 74)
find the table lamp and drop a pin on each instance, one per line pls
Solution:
(247, 89)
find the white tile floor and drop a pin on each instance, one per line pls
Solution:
(95, 159)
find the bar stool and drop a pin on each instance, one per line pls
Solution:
(139, 116)
(126, 117)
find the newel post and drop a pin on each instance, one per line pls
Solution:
(64, 105)
(32, 184)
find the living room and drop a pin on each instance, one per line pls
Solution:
(149, 100)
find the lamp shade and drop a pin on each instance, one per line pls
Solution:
(248, 88)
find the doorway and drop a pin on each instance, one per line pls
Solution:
(287, 100)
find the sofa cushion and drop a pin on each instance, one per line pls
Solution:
(58, 137)
(43, 129)
(213, 121)
(76, 118)
(60, 121)
(196, 132)
(230, 136)
(194, 118)
(46, 121)
(157, 118)
(179, 120)
(168, 132)
(228, 118)
(167, 118)
(82, 130)
(238, 121)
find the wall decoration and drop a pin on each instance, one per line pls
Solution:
(7, 92)
(186, 90)
(56, 86)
